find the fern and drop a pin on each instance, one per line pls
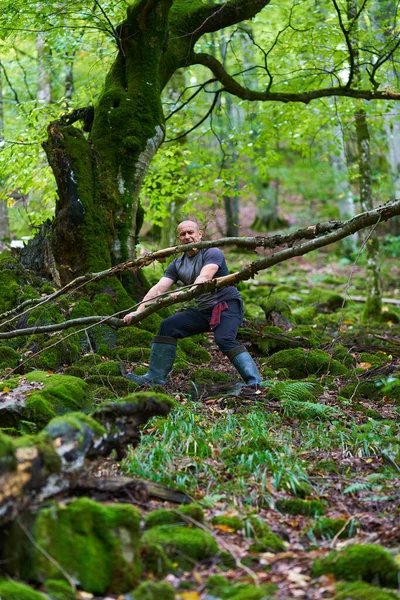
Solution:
(309, 410)
(356, 487)
(297, 391)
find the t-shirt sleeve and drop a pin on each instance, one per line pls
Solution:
(213, 256)
(171, 271)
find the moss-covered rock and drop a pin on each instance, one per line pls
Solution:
(183, 545)
(369, 562)
(374, 360)
(220, 587)
(97, 545)
(276, 303)
(325, 300)
(155, 562)
(327, 528)
(58, 589)
(194, 352)
(169, 517)
(301, 363)
(131, 354)
(13, 590)
(148, 590)
(106, 368)
(233, 523)
(363, 591)
(305, 315)
(9, 358)
(205, 375)
(343, 355)
(297, 506)
(60, 394)
(118, 385)
(133, 336)
(9, 289)
(268, 543)
(362, 390)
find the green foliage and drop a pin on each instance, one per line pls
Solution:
(11, 590)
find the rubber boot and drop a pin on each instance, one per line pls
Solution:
(162, 358)
(245, 365)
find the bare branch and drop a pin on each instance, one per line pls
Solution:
(235, 88)
(332, 232)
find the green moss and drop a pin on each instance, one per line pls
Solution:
(342, 354)
(205, 375)
(75, 371)
(196, 353)
(375, 360)
(324, 299)
(363, 591)
(89, 360)
(80, 309)
(220, 587)
(141, 370)
(9, 289)
(118, 385)
(61, 394)
(106, 368)
(8, 357)
(131, 354)
(184, 545)
(168, 517)
(305, 314)
(97, 545)
(12, 590)
(133, 336)
(58, 589)
(296, 506)
(8, 460)
(155, 562)
(301, 363)
(327, 528)
(148, 590)
(369, 562)
(234, 523)
(362, 390)
(276, 303)
(11, 383)
(268, 543)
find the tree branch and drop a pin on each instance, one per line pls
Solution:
(332, 232)
(235, 88)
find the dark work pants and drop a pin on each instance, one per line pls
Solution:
(191, 321)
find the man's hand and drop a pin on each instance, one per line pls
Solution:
(128, 318)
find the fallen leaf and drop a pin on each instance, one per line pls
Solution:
(224, 528)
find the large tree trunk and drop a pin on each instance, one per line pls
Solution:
(99, 178)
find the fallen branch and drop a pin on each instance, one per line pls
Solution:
(347, 228)
(306, 233)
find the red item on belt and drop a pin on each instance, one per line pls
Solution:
(216, 314)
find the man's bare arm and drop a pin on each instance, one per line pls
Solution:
(159, 288)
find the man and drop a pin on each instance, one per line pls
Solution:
(220, 311)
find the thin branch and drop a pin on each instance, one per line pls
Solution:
(208, 113)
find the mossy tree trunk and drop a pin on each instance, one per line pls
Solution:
(99, 176)
(373, 306)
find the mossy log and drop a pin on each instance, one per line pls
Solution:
(33, 468)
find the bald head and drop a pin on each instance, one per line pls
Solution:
(189, 232)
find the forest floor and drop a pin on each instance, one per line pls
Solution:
(238, 456)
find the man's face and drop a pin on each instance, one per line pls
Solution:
(188, 232)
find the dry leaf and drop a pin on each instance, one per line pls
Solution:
(189, 596)
(224, 528)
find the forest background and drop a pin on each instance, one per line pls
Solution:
(118, 120)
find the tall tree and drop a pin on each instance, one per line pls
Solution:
(98, 214)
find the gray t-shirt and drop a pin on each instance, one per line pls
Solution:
(187, 268)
